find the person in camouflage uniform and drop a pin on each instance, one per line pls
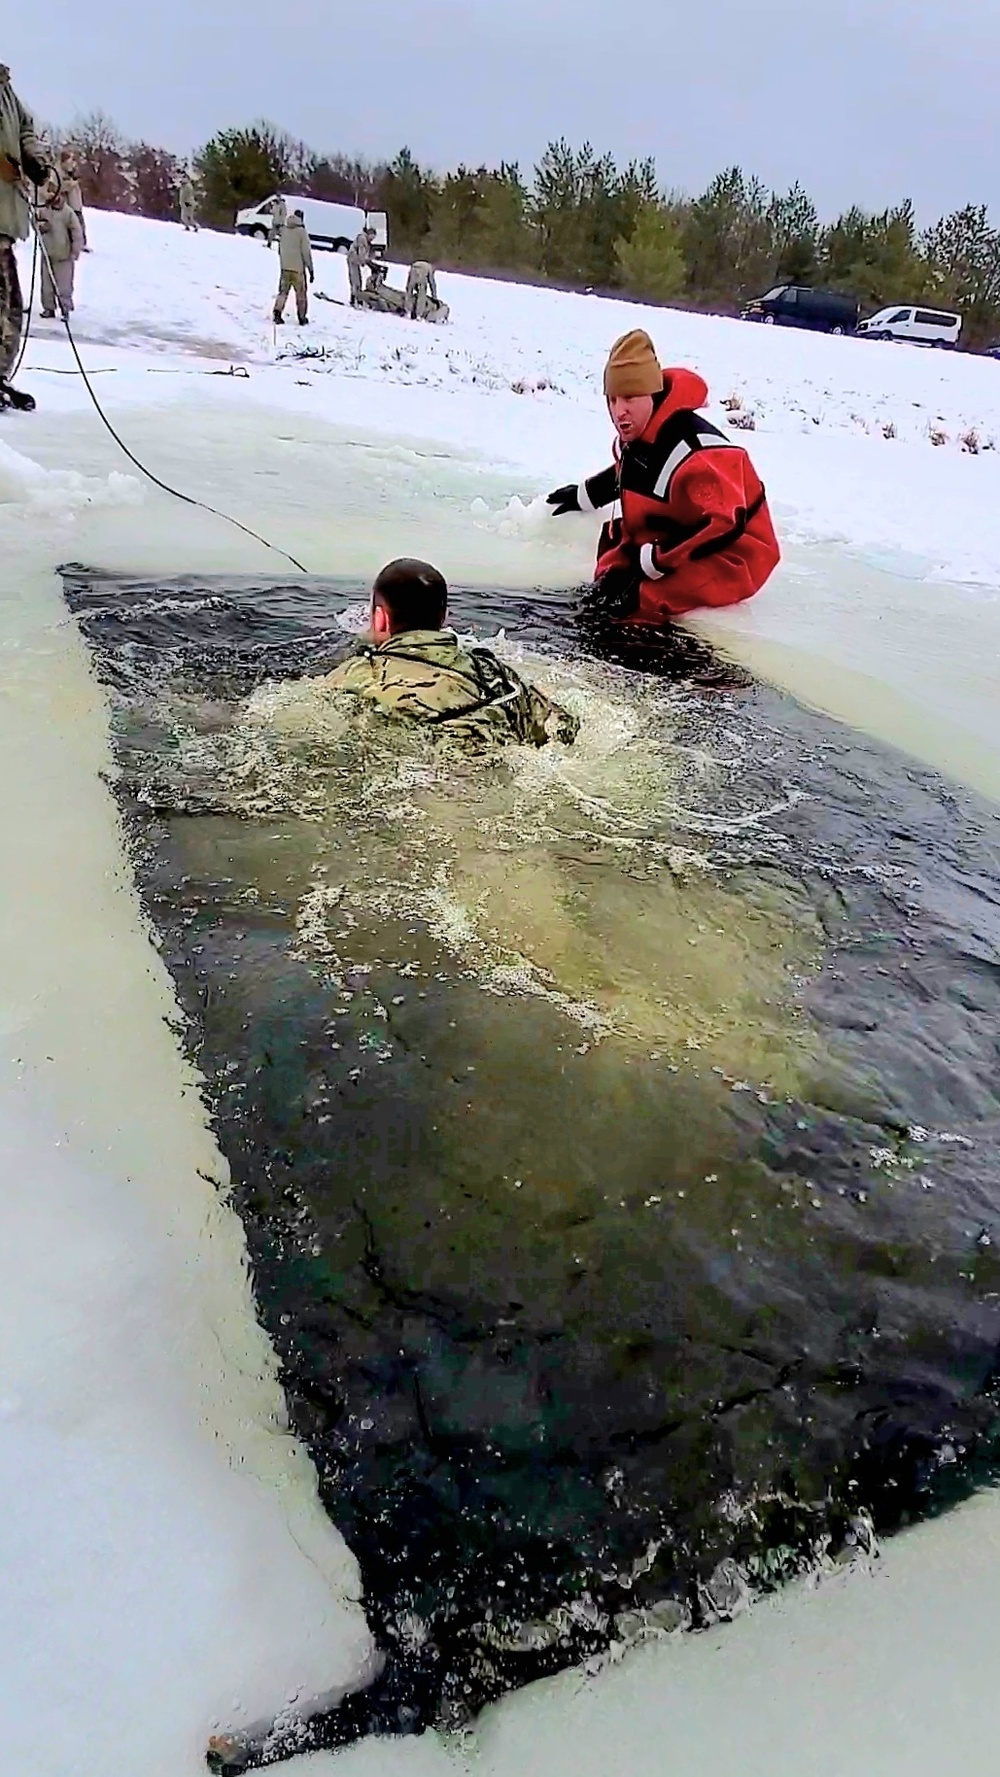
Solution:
(62, 238)
(379, 295)
(23, 161)
(359, 254)
(187, 200)
(279, 216)
(420, 284)
(69, 178)
(414, 669)
(296, 267)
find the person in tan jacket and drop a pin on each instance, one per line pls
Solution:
(279, 216)
(295, 256)
(62, 238)
(23, 163)
(69, 175)
(187, 201)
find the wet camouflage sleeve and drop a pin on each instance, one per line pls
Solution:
(424, 692)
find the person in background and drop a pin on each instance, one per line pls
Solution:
(296, 267)
(420, 284)
(694, 527)
(69, 176)
(59, 227)
(414, 669)
(23, 162)
(359, 255)
(279, 216)
(187, 201)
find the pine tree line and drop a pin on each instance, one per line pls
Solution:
(582, 220)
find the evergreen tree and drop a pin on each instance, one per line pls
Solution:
(794, 225)
(651, 261)
(729, 238)
(407, 194)
(962, 257)
(242, 167)
(874, 257)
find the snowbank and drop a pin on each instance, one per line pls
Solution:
(165, 1559)
(53, 491)
(888, 447)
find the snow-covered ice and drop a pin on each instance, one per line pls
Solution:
(166, 1561)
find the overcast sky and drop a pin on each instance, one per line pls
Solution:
(863, 100)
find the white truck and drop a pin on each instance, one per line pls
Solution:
(333, 226)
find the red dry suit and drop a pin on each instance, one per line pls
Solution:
(694, 524)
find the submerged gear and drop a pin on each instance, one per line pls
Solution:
(694, 527)
(632, 367)
(425, 676)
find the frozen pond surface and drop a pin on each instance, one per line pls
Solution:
(90, 1064)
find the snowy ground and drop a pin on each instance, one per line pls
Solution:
(822, 406)
(165, 1560)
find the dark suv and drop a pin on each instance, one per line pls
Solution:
(796, 305)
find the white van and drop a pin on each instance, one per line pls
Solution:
(924, 327)
(333, 226)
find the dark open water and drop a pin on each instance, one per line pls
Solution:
(615, 1133)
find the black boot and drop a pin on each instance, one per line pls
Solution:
(279, 320)
(17, 399)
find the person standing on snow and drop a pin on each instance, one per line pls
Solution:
(359, 254)
(23, 161)
(694, 527)
(70, 186)
(62, 238)
(420, 284)
(279, 216)
(187, 200)
(295, 255)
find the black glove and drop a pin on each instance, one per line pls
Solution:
(564, 499)
(616, 593)
(35, 170)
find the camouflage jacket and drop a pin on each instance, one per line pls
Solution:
(17, 140)
(425, 676)
(60, 225)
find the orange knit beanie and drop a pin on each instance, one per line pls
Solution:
(633, 367)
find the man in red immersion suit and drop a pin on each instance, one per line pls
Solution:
(693, 527)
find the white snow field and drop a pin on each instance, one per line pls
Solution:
(166, 1563)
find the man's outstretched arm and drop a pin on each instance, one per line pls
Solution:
(586, 496)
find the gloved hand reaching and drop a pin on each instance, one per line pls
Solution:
(563, 499)
(616, 593)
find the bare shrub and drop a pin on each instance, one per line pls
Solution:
(971, 442)
(744, 420)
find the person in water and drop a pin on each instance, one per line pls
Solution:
(413, 668)
(693, 527)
